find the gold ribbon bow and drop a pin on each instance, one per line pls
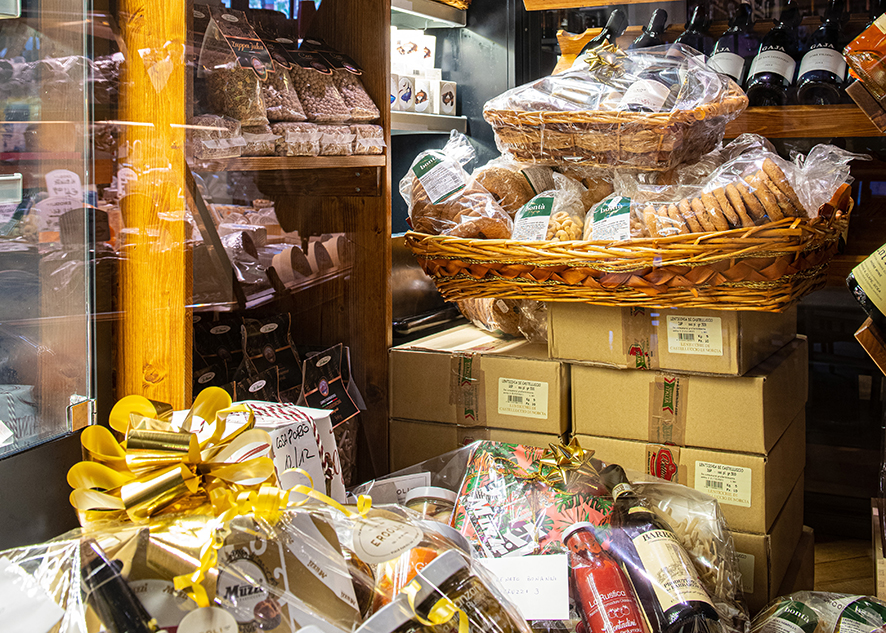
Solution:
(563, 466)
(605, 61)
(159, 467)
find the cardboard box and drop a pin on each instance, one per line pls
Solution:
(468, 377)
(412, 442)
(735, 413)
(763, 559)
(751, 488)
(800, 575)
(684, 340)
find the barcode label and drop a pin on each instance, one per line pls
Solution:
(728, 484)
(688, 334)
(516, 399)
(714, 484)
(684, 336)
(523, 398)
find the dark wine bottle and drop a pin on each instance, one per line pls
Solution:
(615, 26)
(696, 34)
(108, 593)
(737, 47)
(652, 32)
(823, 70)
(662, 572)
(866, 284)
(655, 90)
(772, 71)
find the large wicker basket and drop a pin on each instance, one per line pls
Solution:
(606, 138)
(765, 268)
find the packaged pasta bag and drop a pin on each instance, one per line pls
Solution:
(235, 63)
(444, 200)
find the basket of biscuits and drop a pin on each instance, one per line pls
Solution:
(650, 109)
(741, 228)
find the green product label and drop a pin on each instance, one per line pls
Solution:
(440, 179)
(537, 207)
(611, 208)
(798, 614)
(866, 611)
(425, 165)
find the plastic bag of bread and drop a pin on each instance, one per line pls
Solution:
(444, 200)
(513, 184)
(508, 317)
(597, 182)
(557, 216)
(821, 612)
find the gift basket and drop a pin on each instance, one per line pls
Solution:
(650, 109)
(741, 229)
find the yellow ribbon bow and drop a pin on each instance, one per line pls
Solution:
(442, 611)
(160, 467)
(568, 465)
(605, 60)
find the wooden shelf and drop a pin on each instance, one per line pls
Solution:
(425, 14)
(804, 122)
(411, 122)
(283, 163)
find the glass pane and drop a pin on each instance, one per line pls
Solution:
(48, 214)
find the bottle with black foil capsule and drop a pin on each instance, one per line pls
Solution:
(772, 71)
(823, 70)
(109, 594)
(615, 26)
(867, 282)
(655, 90)
(652, 32)
(737, 47)
(662, 572)
(696, 34)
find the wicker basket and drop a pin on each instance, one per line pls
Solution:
(606, 138)
(458, 4)
(765, 268)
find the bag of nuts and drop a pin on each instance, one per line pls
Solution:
(260, 141)
(368, 139)
(209, 136)
(336, 140)
(280, 97)
(297, 139)
(319, 97)
(358, 101)
(555, 215)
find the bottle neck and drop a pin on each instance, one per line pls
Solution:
(621, 489)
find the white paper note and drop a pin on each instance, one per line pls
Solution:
(25, 607)
(537, 585)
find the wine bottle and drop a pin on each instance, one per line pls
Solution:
(772, 71)
(865, 55)
(695, 34)
(655, 90)
(823, 69)
(108, 593)
(737, 47)
(604, 595)
(615, 26)
(652, 32)
(662, 572)
(865, 283)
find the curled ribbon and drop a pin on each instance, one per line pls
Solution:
(442, 611)
(565, 466)
(606, 60)
(159, 467)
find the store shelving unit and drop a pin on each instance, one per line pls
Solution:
(426, 14)
(412, 122)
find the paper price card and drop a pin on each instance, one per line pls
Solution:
(537, 585)
(25, 607)
(64, 183)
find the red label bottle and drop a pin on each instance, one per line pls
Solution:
(604, 595)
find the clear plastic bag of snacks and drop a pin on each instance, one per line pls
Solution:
(316, 90)
(368, 139)
(444, 200)
(556, 216)
(508, 317)
(234, 81)
(360, 105)
(260, 141)
(822, 612)
(650, 109)
(336, 140)
(297, 139)
(210, 136)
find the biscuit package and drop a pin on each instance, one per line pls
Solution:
(746, 184)
(443, 199)
(555, 215)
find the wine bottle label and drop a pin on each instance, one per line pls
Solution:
(871, 277)
(727, 63)
(620, 489)
(880, 23)
(647, 93)
(670, 571)
(823, 59)
(776, 62)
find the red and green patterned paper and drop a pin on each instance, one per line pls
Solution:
(504, 510)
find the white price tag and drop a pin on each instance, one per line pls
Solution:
(537, 585)
(523, 398)
(64, 183)
(695, 335)
(25, 607)
(727, 484)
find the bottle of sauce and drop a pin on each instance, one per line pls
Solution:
(661, 571)
(604, 595)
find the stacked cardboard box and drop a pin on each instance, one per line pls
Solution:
(720, 409)
(463, 384)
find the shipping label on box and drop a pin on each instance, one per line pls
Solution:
(731, 485)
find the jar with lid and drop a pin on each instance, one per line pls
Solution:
(450, 575)
(434, 503)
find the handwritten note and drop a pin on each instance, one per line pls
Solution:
(538, 585)
(64, 183)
